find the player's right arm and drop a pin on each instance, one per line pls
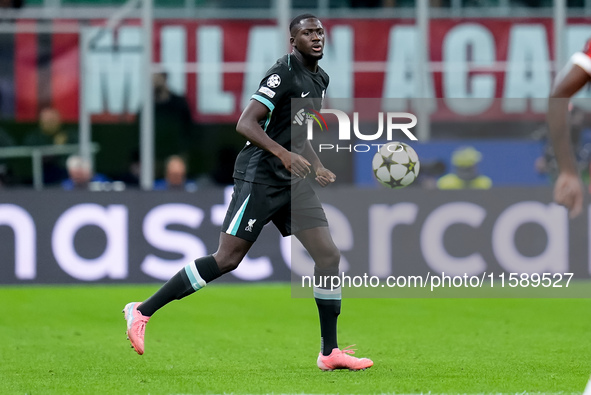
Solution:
(568, 190)
(249, 127)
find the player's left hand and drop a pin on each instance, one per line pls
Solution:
(568, 192)
(325, 176)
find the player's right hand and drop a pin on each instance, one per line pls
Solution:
(324, 176)
(297, 165)
(568, 192)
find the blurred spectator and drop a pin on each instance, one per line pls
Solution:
(80, 175)
(429, 174)
(51, 132)
(132, 176)
(172, 123)
(466, 174)
(547, 164)
(175, 177)
(6, 140)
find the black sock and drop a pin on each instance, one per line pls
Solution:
(208, 268)
(188, 280)
(328, 302)
(329, 311)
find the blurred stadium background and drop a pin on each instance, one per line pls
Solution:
(215, 51)
(476, 73)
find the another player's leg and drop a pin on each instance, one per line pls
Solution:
(186, 281)
(318, 242)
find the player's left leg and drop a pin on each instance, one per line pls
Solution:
(185, 282)
(236, 238)
(319, 244)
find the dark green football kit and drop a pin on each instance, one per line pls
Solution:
(264, 189)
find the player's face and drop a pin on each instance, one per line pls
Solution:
(309, 38)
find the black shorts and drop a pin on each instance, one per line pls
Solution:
(292, 208)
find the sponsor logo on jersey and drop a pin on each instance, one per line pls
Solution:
(273, 81)
(305, 94)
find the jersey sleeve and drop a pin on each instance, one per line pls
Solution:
(274, 86)
(583, 58)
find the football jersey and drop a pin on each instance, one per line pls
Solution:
(583, 58)
(288, 79)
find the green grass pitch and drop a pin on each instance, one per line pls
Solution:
(257, 339)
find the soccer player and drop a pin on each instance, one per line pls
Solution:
(568, 189)
(271, 185)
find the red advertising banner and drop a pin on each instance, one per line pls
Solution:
(217, 65)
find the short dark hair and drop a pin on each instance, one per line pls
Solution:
(296, 21)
